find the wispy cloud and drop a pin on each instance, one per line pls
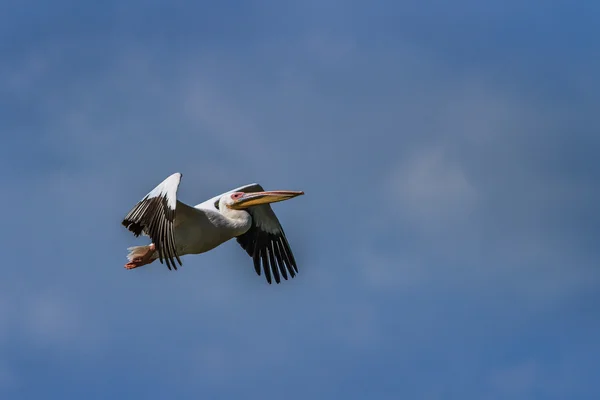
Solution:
(429, 190)
(448, 220)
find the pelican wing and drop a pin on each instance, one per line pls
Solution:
(154, 216)
(265, 241)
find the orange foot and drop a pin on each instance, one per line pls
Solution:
(143, 260)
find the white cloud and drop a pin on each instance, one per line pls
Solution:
(429, 189)
(212, 113)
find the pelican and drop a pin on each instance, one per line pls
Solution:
(177, 229)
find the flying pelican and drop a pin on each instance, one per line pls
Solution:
(177, 229)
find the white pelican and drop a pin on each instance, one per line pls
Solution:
(177, 229)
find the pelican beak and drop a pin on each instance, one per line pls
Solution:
(257, 198)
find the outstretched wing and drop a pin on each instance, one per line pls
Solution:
(265, 241)
(154, 216)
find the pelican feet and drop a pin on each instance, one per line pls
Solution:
(143, 260)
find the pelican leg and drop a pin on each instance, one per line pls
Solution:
(142, 260)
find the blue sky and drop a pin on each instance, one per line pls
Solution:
(447, 242)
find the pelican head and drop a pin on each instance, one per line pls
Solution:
(242, 200)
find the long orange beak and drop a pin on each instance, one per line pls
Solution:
(257, 198)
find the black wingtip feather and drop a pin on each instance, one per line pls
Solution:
(265, 263)
(153, 216)
(283, 260)
(272, 250)
(274, 267)
(277, 255)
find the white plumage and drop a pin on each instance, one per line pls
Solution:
(177, 229)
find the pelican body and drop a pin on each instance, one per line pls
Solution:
(177, 229)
